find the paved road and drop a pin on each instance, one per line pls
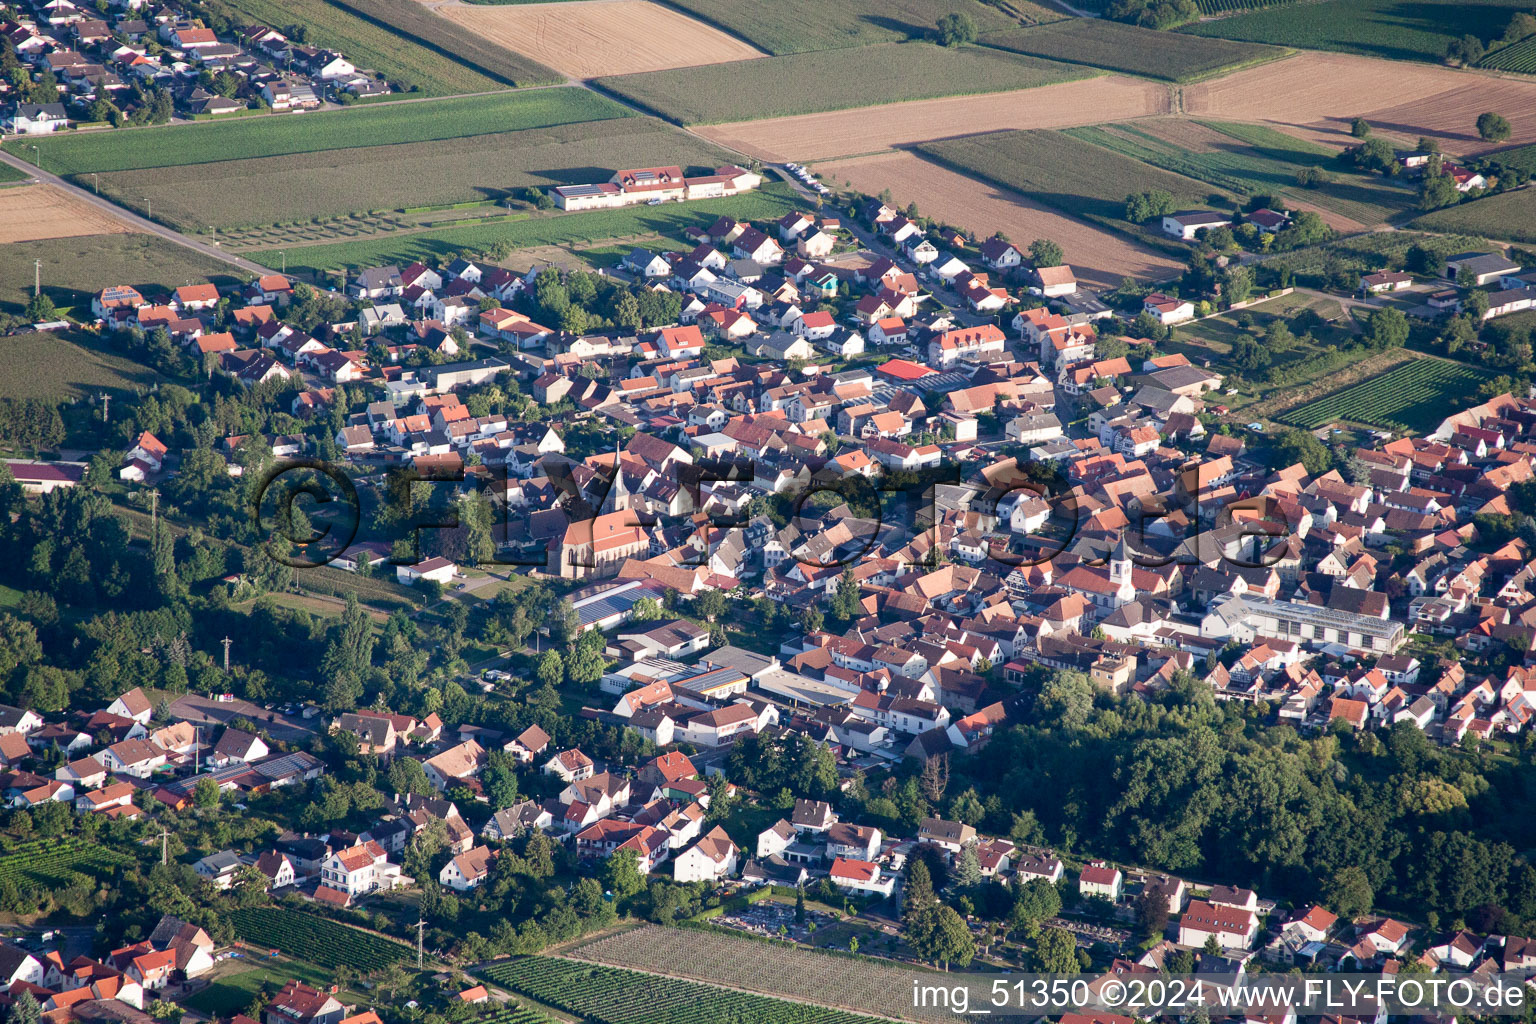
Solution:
(139, 223)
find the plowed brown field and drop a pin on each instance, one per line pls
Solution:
(1098, 257)
(32, 212)
(1317, 95)
(873, 129)
(588, 38)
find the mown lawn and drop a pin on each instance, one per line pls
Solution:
(74, 269)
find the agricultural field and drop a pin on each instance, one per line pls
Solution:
(321, 942)
(1316, 96)
(873, 129)
(635, 223)
(1510, 216)
(1519, 57)
(51, 862)
(789, 971)
(407, 64)
(1384, 250)
(55, 365)
(1133, 50)
(384, 124)
(1374, 28)
(606, 995)
(808, 83)
(1255, 160)
(613, 37)
(74, 269)
(30, 213)
(414, 21)
(1100, 258)
(9, 173)
(794, 26)
(1413, 397)
(1212, 8)
(513, 1013)
(1032, 163)
(302, 187)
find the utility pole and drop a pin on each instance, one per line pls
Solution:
(96, 180)
(226, 641)
(284, 254)
(420, 930)
(154, 513)
(165, 857)
(37, 278)
(106, 405)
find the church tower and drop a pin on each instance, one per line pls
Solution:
(619, 493)
(1120, 569)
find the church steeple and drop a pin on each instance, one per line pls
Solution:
(618, 492)
(1120, 570)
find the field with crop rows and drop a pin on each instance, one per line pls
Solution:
(301, 187)
(314, 939)
(793, 26)
(1508, 215)
(1215, 7)
(808, 83)
(52, 861)
(1413, 397)
(408, 65)
(512, 1013)
(414, 21)
(1375, 28)
(1069, 174)
(384, 124)
(608, 995)
(784, 970)
(1134, 50)
(1251, 160)
(1519, 57)
(666, 222)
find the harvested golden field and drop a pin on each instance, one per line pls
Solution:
(875, 129)
(588, 38)
(33, 212)
(1317, 95)
(1098, 256)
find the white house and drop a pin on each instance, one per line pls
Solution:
(361, 869)
(1232, 928)
(860, 876)
(35, 119)
(710, 859)
(439, 569)
(1185, 223)
(1100, 879)
(469, 869)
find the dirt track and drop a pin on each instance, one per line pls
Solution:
(32, 212)
(873, 129)
(1099, 257)
(611, 37)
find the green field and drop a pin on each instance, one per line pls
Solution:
(1519, 57)
(406, 63)
(806, 83)
(66, 364)
(9, 173)
(793, 26)
(300, 187)
(607, 995)
(414, 21)
(1420, 30)
(1214, 7)
(74, 269)
(383, 124)
(1383, 250)
(1508, 215)
(667, 221)
(1413, 397)
(1074, 176)
(1252, 160)
(51, 862)
(235, 984)
(317, 940)
(1134, 50)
